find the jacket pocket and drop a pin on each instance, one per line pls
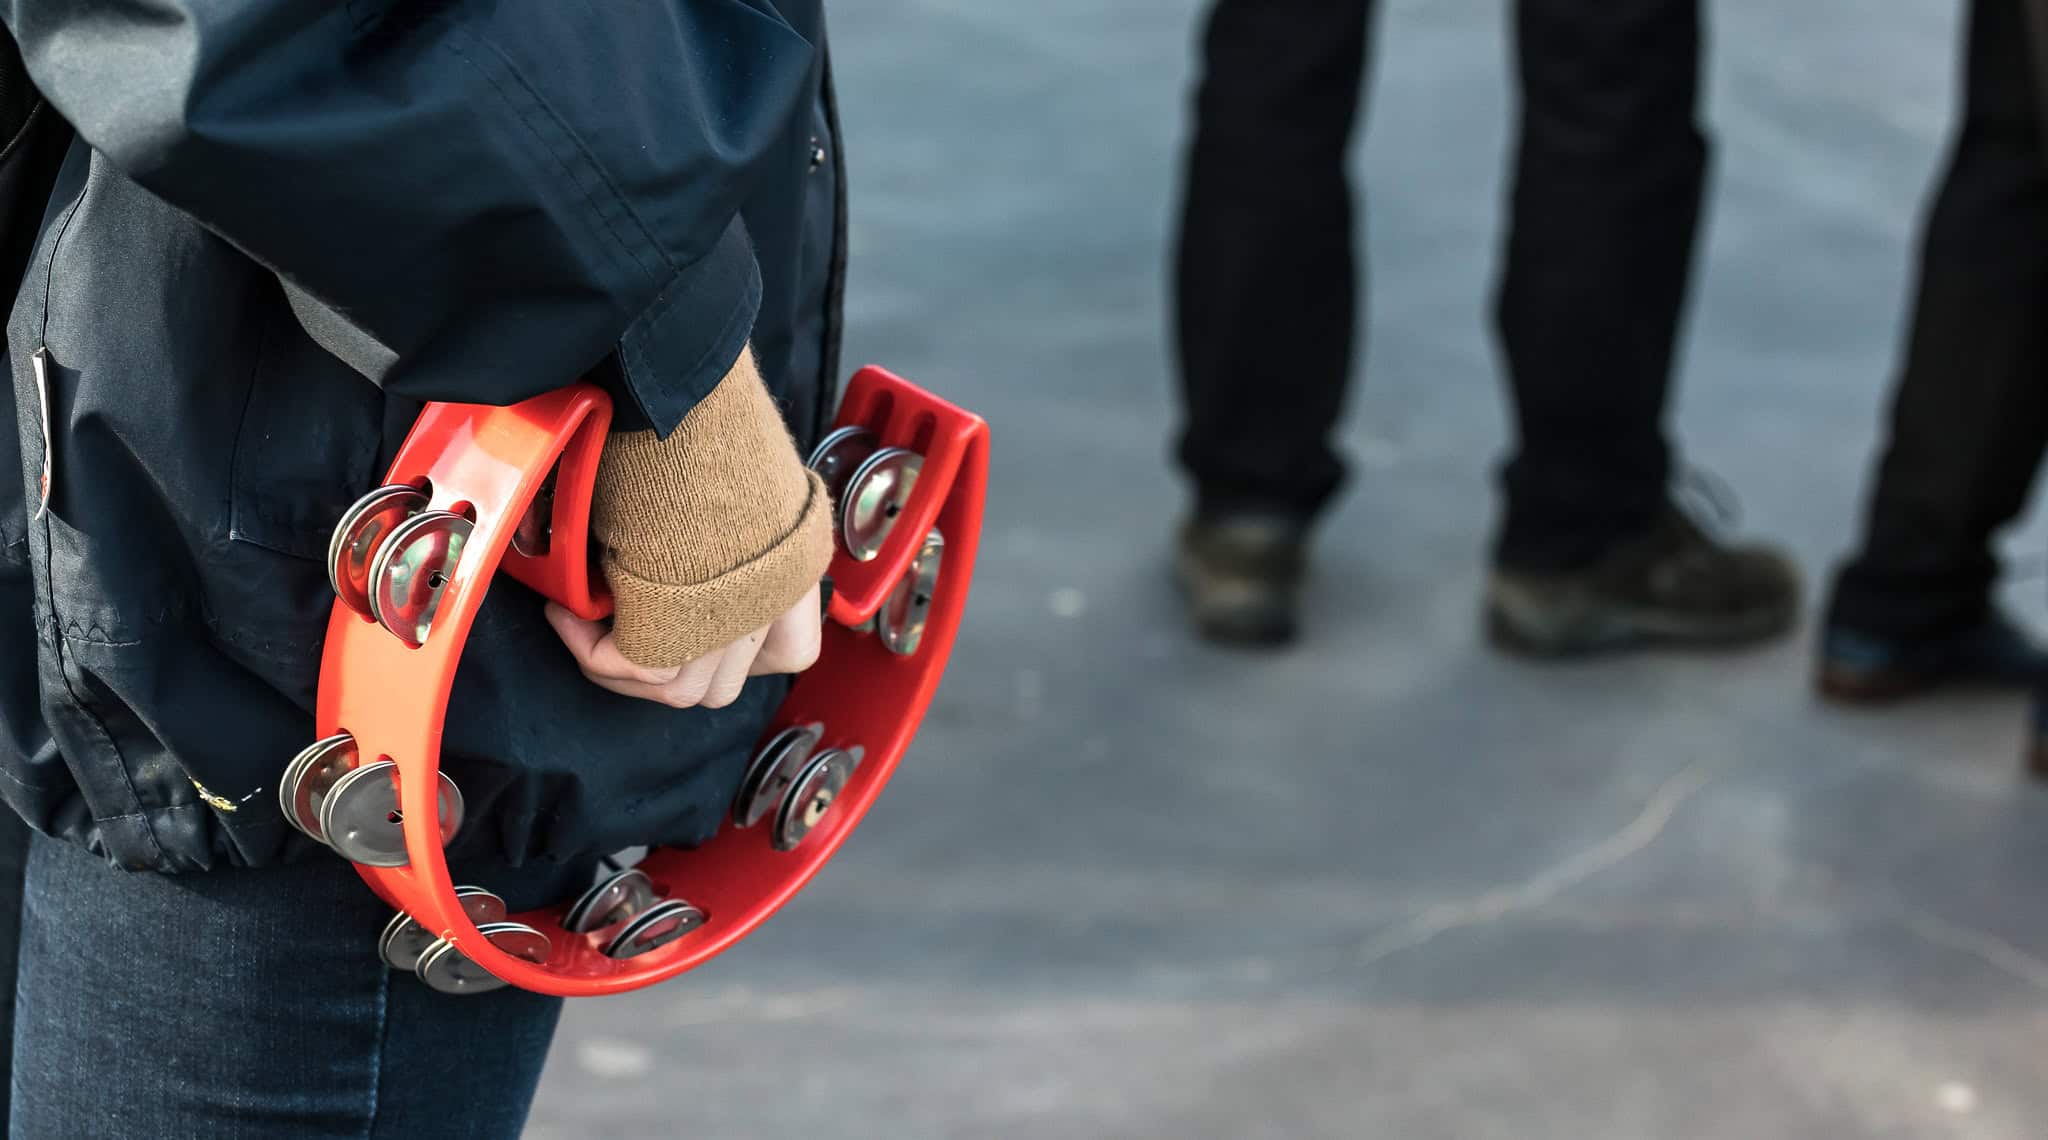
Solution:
(307, 446)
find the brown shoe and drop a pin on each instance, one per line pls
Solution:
(1673, 586)
(1241, 575)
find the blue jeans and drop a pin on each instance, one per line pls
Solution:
(253, 1004)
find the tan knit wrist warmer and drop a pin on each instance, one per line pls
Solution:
(711, 533)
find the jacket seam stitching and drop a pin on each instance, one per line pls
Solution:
(242, 430)
(532, 122)
(93, 635)
(147, 815)
(286, 531)
(56, 785)
(99, 726)
(590, 160)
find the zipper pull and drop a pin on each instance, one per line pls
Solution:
(40, 362)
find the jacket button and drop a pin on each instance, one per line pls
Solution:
(817, 153)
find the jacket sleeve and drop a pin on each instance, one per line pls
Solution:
(468, 200)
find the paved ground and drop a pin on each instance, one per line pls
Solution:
(1388, 886)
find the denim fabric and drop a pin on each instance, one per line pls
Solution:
(13, 856)
(252, 1003)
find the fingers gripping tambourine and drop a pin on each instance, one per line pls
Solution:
(478, 489)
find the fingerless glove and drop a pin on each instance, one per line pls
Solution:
(711, 533)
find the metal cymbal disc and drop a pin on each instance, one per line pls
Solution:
(480, 905)
(309, 777)
(518, 940)
(875, 497)
(412, 570)
(614, 900)
(810, 800)
(654, 928)
(773, 768)
(836, 456)
(361, 819)
(362, 529)
(405, 940)
(901, 621)
(450, 971)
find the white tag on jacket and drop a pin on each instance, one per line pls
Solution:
(40, 362)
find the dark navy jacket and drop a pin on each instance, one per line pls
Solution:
(282, 225)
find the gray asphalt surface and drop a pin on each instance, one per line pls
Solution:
(1389, 885)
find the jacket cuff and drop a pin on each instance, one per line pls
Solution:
(677, 351)
(659, 625)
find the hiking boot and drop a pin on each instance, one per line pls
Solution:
(1241, 574)
(1672, 586)
(1860, 668)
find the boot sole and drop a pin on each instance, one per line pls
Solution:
(1585, 632)
(1253, 624)
(1867, 687)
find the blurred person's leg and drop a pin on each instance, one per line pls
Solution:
(258, 1000)
(1591, 553)
(1970, 417)
(1267, 293)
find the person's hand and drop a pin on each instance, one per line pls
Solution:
(789, 644)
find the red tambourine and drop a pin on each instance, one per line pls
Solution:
(478, 489)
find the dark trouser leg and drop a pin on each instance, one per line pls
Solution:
(1970, 416)
(1266, 284)
(1606, 195)
(252, 1004)
(13, 856)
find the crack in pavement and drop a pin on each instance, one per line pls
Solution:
(1982, 945)
(1548, 883)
